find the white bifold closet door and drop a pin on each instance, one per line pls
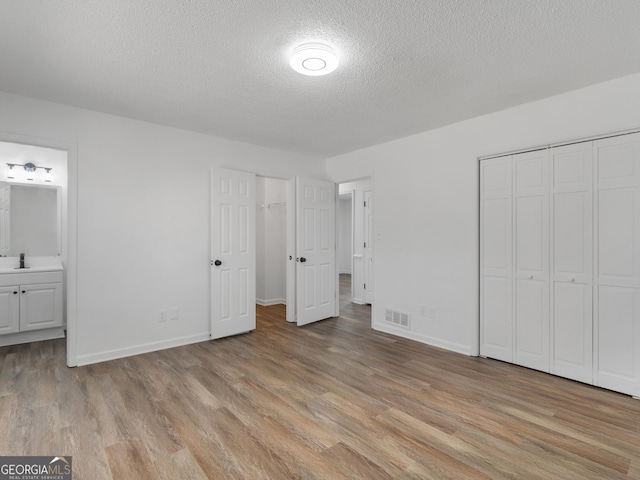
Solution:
(531, 258)
(617, 266)
(496, 315)
(560, 261)
(571, 261)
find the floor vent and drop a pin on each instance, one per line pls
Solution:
(398, 318)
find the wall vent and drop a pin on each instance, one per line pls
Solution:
(396, 317)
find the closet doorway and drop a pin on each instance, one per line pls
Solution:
(271, 241)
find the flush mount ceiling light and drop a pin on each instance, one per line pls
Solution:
(313, 59)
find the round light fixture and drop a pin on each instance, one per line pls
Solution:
(313, 59)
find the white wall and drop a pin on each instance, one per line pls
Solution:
(345, 227)
(142, 220)
(271, 241)
(426, 202)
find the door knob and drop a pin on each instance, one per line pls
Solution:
(217, 263)
(302, 259)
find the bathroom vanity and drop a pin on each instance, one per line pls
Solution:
(31, 304)
(32, 297)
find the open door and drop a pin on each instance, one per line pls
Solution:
(316, 297)
(233, 252)
(367, 251)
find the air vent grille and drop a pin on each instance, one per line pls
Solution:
(398, 318)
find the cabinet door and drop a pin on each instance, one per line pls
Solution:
(571, 260)
(9, 310)
(531, 255)
(40, 306)
(496, 290)
(617, 264)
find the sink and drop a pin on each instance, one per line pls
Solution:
(42, 268)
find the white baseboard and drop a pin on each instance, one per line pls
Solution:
(140, 349)
(267, 303)
(418, 337)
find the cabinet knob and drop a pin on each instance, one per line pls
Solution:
(530, 277)
(573, 280)
(15, 293)
(24, 291)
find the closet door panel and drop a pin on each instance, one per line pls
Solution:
(572, 331)
(496, 234)
(497, 328)
(617, 262)
(496, 263)
(572, 235)
(617, 338)
(531, 268)
(532, 323)
(532, 234)
(572, 262)
(617, 236)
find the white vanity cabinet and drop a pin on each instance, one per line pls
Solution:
(9, 310)
(30, 306)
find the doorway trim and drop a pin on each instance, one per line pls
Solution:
(69, 237)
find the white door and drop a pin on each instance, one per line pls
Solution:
(5, 219)
(316, 251)
(496, 316)
(571, 294)
(9, 309)
(233, 252)
(531, 259)
(368, 246)
(617, 263)
(291, 250)
(40, 306)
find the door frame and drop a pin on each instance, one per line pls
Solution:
(69, 235)
(291, 270)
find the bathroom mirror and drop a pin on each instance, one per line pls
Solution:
(34, 220)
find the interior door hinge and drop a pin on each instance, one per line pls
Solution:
(365, 203)
(365, 286)
(365, 244)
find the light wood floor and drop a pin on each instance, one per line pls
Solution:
(333, 400)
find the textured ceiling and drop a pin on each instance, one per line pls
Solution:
(221, 66)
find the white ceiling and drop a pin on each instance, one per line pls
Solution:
(221, 66)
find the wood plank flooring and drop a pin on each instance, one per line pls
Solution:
(332, 400)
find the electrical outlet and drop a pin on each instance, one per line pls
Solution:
(423, 310)
(432, 312)
(174, 313)
(162, 316)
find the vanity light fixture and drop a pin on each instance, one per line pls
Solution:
(30, 169)
(313, 59)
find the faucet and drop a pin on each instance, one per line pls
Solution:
(22, 261)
